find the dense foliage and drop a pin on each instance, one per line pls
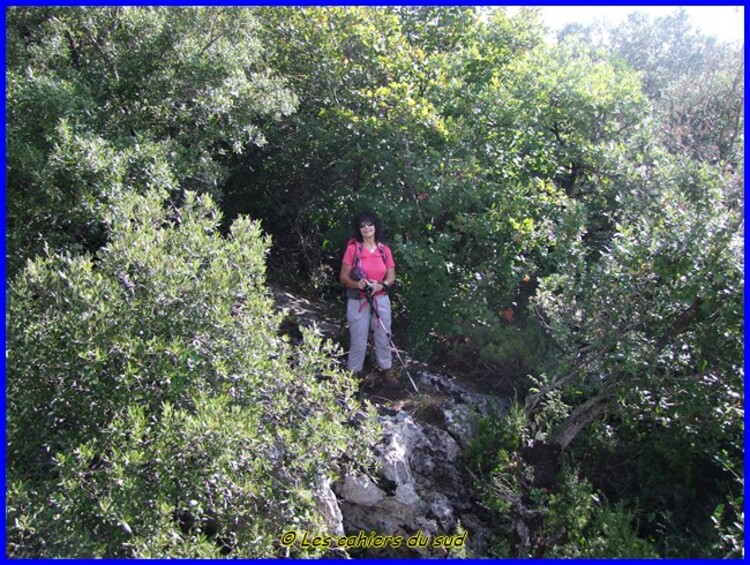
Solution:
(567, 221)
(107, 101)
(152, 407)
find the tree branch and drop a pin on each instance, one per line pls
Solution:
(681, 324)
(581, 417)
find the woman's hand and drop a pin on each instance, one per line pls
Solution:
(348, 281)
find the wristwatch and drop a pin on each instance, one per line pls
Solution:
(385, 286)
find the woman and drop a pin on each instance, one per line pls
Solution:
(368, 267)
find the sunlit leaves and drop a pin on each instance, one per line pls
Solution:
(110, 99)
(152, 403)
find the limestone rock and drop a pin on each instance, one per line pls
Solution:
(361, 491)
(328, 506)
(422, 487)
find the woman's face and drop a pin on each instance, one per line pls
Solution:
(367, 228)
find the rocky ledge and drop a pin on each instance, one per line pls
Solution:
(421, 492)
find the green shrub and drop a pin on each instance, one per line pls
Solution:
(612, 532)
(497, 437)
(583, 524)
(569, 520)
(103, 101)
(153, 408)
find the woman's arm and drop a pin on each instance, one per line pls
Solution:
(390, 279)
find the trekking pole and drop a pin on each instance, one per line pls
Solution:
(370, 299)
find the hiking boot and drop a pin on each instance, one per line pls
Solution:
(366, 380)
(391, 377)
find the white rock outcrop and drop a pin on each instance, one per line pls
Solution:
(420, 487)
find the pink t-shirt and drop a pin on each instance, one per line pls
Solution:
(371, 262)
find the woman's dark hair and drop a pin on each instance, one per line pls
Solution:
(365, 215)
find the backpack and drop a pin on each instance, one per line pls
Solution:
(351, 292)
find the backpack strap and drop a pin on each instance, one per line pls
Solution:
(381, 248)
(357, 251)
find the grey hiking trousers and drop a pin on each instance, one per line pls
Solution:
(361, 321)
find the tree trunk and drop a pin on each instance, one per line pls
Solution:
(582, 417)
